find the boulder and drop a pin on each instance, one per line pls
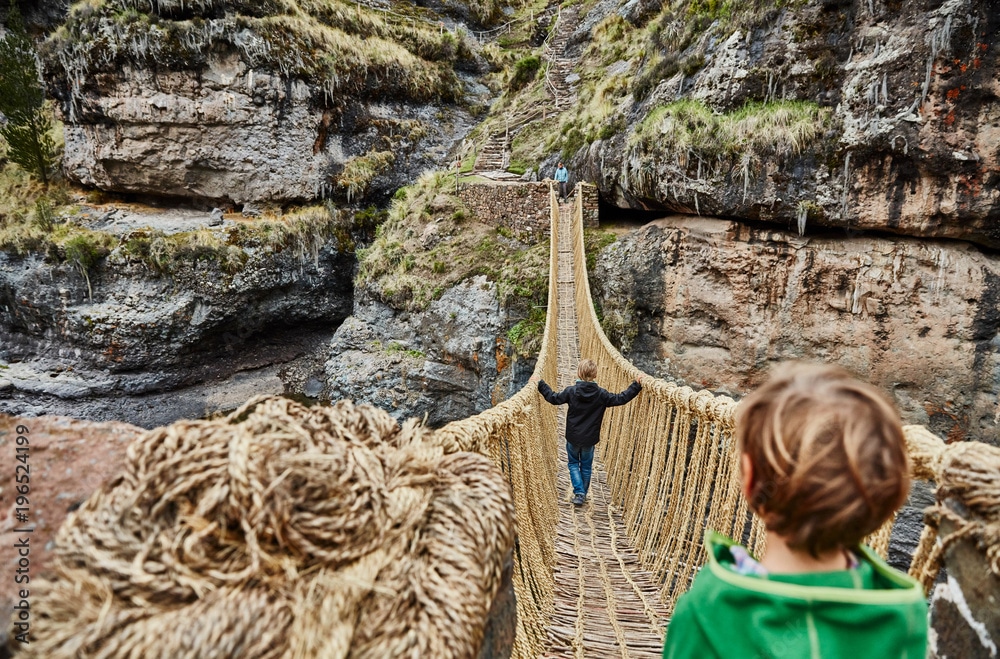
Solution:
(446, 362)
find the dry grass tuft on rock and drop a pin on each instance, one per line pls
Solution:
(431, 242)
(341, 48)
(280, 530)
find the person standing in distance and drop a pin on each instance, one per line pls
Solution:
(587, 402)
(562, 178)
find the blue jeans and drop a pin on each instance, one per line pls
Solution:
(580, 462)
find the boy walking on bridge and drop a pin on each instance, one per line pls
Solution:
(824, 464)
(587, 402)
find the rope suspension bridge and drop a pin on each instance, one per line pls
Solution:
(294, 532)
(602, 580)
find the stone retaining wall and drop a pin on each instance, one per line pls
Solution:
(521, 207)
(590, 206)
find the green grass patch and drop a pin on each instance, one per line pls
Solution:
(395, 348)
(359, 172)
(594, 240)
(758, 129)
(524, 71)
(41, 221)
(431, 242)
(525, 337)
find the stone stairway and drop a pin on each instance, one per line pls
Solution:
(493, 155)
(606, 605)
(560, 65)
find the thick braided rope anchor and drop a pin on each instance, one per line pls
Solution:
(280, 531)
(967, 472)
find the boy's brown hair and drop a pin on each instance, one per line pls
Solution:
(587, 370)
(828, 455)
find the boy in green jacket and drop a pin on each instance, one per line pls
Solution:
(824, 465)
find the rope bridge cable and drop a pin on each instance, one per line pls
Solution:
(525, 426)
(967, 472)
(672, 467)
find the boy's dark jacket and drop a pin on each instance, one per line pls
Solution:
(587, 402)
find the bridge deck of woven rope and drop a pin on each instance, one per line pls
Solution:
(593, 558)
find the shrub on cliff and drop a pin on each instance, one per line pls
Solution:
(28, 128)
(431, 242)
(524, 71)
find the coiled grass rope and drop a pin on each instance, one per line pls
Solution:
(280, 531)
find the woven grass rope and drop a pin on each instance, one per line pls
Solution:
(280, 531)
(966, 472)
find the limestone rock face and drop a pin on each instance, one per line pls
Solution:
(144, 334)
(233, 109)
(226, 135)
(137, 321)
(715, 303)
(907, 139)
(216, 136)
(447, 362)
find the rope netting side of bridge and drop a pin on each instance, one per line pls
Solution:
(519, 436)
(670, 456)
(673, 466)
(671, 460)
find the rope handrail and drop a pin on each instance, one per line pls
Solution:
(519, 435)
(486, 35)
(546, 50)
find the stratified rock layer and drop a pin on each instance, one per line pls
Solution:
(231, 135)
(255, 102)
(907, 140)
(715, 303)
(118, 354)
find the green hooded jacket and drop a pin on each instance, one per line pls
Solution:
(868, 611)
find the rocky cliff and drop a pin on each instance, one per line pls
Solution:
(716, 302)
(853, 147)
(867, 114)
(447, 362)
(233, 102)
(117, 338)
(448, 308)
(39, 15)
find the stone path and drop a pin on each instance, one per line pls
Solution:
(561, 93)
(559, 82)
(120, 219)
(605, 604)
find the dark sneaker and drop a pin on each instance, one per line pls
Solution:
(578, 500)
